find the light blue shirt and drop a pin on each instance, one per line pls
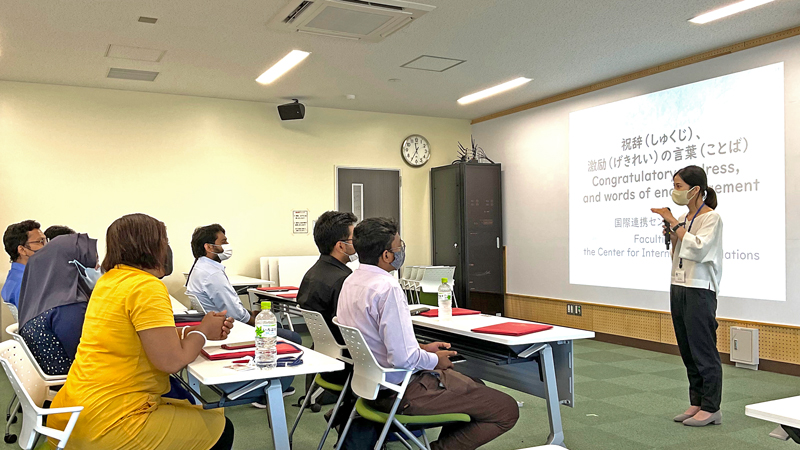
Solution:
(373, 301)
(213, 290)
(10, 291)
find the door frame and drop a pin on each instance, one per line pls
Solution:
(399, 175)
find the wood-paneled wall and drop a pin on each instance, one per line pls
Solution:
(776, 342)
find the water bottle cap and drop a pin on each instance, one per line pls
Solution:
(266, 305)
(444, 280)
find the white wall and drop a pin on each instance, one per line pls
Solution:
(533, 147)
(83, 157)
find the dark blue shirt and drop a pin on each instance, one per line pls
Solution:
(10, 291)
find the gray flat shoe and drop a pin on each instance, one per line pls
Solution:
(715, 418)
(682, 417)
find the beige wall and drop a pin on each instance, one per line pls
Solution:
(83, 157)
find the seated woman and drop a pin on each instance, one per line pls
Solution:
(53, 298)
(128, 349)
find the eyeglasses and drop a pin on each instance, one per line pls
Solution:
(41, 242)
(402, 246)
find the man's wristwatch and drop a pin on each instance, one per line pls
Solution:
(680, 224)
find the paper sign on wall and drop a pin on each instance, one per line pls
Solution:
(300, 221)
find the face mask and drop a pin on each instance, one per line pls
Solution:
(90, 276)
(227, 252)
(353, 257)
(399, 259)
(681, 197)
(168, 263)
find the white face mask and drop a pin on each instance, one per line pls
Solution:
(227, 252)
(353, 257)
(682, 197)
(90, 276)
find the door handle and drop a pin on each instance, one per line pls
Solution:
(498, 242)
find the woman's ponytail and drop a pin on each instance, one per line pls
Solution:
(711, 198)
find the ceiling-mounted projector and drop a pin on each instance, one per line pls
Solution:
(292, 111)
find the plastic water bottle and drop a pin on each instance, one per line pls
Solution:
(266, 338)
(445, 301)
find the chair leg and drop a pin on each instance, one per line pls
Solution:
(425, 439)
(410, 435)
(403, 441)
(346, 429)
(389, 420)
(302, 408)
(335, 410)
(10, 404)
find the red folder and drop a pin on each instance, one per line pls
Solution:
(277, 288)
(291, 295)
(283, 349)
(512, 328)
(456, 312)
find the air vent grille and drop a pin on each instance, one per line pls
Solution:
(373, 4)
(297, 11)
(130, 74)
(144, 19)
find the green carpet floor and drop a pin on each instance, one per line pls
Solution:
(625, 399)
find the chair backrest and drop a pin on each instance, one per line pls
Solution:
(406, 273)
(367, 373)
(22, 374)
(14, 311)
(420, 273)
(324, 342)
(13, 330)
(195, 304)
(412, 275)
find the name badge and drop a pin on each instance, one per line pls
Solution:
(680, 276)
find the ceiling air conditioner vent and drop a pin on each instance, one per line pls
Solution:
(371, 21)
(130, 74)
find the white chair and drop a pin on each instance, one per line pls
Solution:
(325, 343)
(194, 303)
(54, 380)
(14, 311)
(367, 380)
(32, 391)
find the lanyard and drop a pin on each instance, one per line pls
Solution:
(680, 264)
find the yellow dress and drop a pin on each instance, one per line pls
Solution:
(117, 385)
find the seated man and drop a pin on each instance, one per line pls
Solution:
(372, 301)
(21, 241)
(319, 290)
(209, 283)
(53, 231)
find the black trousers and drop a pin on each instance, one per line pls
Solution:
(694, 319)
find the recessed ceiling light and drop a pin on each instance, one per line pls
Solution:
(493, 90)
(149, 20)
(281, 67)
(394, 80)
(728, 11)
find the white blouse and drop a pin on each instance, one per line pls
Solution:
(701, 251)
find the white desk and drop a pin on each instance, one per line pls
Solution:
(285, 306)
(502, 359)
(209, 372)
(785, 411)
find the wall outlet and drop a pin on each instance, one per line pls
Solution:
(574, 310)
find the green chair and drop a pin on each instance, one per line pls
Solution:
(367, 380)
(324, 343)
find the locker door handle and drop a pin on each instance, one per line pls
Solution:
(498, 242)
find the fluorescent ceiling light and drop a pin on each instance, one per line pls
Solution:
(493, 90)
(728, 11)
(281, 67)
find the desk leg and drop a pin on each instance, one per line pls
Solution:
(195, 385)
(280, 433)
(551, 396)
(287, 315)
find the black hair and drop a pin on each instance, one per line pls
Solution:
(204, 235)
(332, 227)
(17, 234)
(696, 176)
(57, 230)
(372, 237)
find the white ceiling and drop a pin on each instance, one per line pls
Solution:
(218, 48)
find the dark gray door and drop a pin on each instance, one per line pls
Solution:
(369, 192)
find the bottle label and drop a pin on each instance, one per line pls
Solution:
(444, 296)
(266, 331)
